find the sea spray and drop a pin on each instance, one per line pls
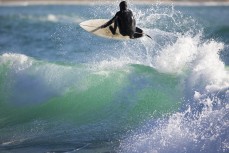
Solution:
(201, 125)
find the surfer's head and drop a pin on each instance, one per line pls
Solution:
(123, 5)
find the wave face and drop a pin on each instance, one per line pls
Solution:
(37, 94)
(65, 90)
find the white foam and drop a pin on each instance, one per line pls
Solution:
(52, 18)
(175, 57)
(181, 134)
(208, 73)
(114, 64)
(17, 61)
(61, 18)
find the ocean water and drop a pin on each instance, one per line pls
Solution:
(65, 90)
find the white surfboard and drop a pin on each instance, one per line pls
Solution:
(93, 27)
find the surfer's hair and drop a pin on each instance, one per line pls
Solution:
(123, 5)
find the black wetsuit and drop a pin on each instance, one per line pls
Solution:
(125, 21)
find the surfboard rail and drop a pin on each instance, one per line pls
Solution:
(93, 26)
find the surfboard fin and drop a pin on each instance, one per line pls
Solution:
(149, 36)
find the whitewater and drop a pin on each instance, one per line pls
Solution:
(65, 90)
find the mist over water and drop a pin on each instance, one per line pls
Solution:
(63, 89)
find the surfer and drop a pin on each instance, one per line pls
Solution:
(125, 21)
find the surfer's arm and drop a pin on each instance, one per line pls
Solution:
(109, 22)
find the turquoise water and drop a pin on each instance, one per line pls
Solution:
(65, 90)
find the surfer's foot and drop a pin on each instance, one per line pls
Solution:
(112, 30)
(131, 37)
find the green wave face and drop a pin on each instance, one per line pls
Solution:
(79, 95)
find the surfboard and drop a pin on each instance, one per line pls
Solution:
(93, 26)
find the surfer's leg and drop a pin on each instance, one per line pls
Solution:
(115, 25)
(138, 33)
(113, 30)
(138, 30)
